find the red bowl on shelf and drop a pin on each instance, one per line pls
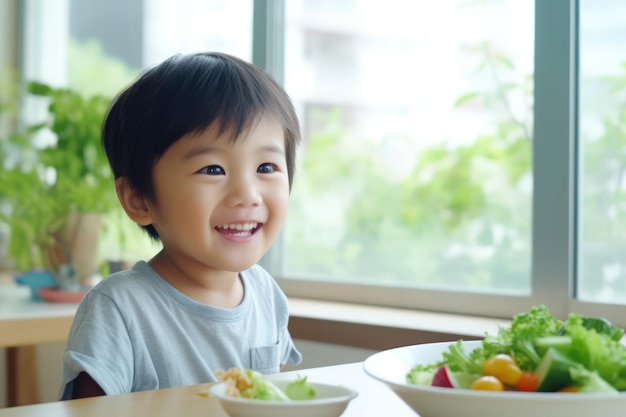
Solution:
(55, 295)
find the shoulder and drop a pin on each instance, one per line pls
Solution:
(131, 295)
(127, 283)
(139, 271)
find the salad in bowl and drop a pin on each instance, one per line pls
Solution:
(537, 366)
(536, 353)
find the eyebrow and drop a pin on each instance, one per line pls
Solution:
(203, 150)
(273, 149)
(199, 150)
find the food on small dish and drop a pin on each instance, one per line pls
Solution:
(251, 384)
(247, 393)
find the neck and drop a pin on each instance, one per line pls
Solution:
(213, 287)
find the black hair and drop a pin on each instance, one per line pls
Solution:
(186, 94)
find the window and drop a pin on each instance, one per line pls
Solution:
(74, 42)
(439, 170)
(461, 156)
(416, 170)
(97, 47)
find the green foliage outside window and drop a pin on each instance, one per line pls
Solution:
(603, 188)
(399, 230)
(475, 196)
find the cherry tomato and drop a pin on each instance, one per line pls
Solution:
(528, 381)
(503, 367)
(487, 383)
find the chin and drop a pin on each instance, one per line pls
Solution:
(239, 266)
(237, 261)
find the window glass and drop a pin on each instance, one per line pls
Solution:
(602, 136)
(99, 47)
(112, 41)
(416, 164)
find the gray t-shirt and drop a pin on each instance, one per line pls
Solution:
(134, 332)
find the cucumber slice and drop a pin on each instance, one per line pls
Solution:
(464, 380)
(554, 371)
(560, 343)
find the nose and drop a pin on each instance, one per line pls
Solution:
(244, 191)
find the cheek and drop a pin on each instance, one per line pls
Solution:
(179, 202)
(278, 202)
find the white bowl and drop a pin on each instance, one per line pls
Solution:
(331, 401)
(391, 366)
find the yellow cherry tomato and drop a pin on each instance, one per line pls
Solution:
(503, 367)
(487, 383)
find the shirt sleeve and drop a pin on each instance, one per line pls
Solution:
(99, 344)
(291, 355)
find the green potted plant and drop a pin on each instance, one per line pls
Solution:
(55, 192)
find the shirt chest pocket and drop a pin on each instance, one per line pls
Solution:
(265, 359)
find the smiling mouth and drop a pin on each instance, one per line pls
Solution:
(238, 229)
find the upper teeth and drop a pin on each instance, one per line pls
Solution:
(239, 226)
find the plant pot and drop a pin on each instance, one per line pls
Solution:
(84, 230)
(74, 256)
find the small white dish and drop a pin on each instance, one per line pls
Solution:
(391, 366)
(331, 401)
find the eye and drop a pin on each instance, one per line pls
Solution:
(212, 170)
(266, 168)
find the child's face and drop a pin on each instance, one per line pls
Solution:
(221, 204)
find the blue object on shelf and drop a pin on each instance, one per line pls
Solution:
(36, 280)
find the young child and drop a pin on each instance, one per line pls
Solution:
(203, 151)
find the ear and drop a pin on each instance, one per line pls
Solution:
(134, 205)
